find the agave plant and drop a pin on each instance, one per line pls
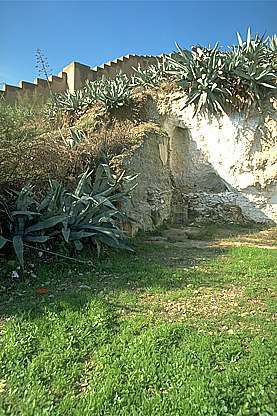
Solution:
(272, 49)
(92, 90)
(77, 136)
(218, 81)
(114, 93)
(252, 66)
(26, 223)
(151, 76)
(72, 102)
(93, 211)
(201, 73)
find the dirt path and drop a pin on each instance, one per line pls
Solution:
(188, 246)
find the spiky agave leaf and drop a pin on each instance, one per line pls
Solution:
(217, 81)
(91, 211)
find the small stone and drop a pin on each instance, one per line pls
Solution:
(14, 275)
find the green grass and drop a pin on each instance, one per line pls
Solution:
(137, 336)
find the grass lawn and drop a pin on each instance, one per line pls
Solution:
(166, 331)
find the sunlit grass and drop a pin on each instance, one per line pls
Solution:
(139, 337)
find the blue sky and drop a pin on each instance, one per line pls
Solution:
(93, 32)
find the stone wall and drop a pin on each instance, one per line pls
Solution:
(40, 87)
(74, 76)
(226, 207)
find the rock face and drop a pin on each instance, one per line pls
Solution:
(205, 169)
(151, 199)
(226, 167)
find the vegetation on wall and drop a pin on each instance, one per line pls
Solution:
(240, 78)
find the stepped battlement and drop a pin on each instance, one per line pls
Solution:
(74, 76)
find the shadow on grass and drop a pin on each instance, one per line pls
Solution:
(151, 269)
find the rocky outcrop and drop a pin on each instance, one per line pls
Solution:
(230, 161)
(151, 199)
(204, 169)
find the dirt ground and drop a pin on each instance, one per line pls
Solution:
(204, 241)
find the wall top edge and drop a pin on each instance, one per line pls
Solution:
(74, 64)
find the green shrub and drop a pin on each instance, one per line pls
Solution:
(19, 122)
(92, 212)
